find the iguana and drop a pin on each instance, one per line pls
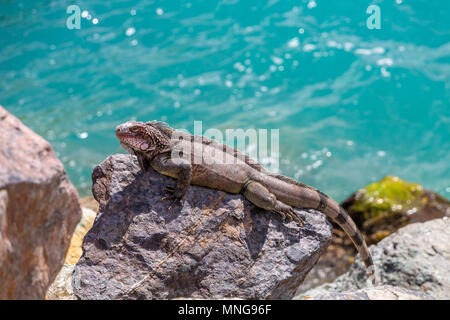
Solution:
(154, 143)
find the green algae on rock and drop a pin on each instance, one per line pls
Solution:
(389, 196)
(385, 206)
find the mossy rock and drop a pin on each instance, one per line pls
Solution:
(383, 207)
(389, 196)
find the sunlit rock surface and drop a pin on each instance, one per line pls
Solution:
(216, 245)
(376, 293)
(378, 209)
(61, 288)
(417, 257)
(39, 210)
(74, 252)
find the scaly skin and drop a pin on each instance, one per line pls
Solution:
(155, 144)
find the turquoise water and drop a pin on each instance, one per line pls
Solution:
(352, 104)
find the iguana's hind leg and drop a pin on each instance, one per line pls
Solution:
(261, 197)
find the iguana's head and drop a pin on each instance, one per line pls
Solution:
(141, 137)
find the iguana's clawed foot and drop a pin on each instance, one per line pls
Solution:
(174, 195)
(169, 189)
(287, 213)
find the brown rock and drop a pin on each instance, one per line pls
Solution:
(39, 210)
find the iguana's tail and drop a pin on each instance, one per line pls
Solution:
(334, 211)
(308, 197)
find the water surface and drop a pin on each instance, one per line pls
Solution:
(352, 104)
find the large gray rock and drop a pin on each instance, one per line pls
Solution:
(376, 293)
(39, 210)
(416, 257)
(217, 245)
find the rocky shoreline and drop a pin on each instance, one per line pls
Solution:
(124, 243)
(416, 258)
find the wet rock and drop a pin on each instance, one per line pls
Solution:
(39, 210)
(376, 293)
(416, 257)
(216, 245)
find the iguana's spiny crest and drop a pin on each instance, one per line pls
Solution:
(154, 136)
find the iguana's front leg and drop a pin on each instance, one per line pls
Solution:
(177, 168)
(143, 161)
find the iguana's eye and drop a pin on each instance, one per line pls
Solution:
(134, 129)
